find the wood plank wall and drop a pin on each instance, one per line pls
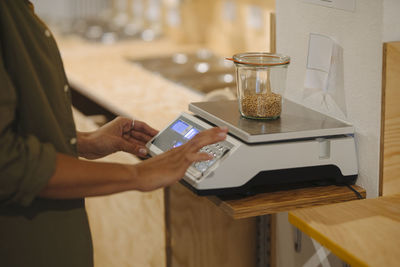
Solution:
(200, 234)
(390, 127)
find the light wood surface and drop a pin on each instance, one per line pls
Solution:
(390, 128)
(285, 200)
(201, 235)
(362, 232)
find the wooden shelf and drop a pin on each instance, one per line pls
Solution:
(285, 200)
(361, 233)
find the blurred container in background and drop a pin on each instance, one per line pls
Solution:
(224, 26)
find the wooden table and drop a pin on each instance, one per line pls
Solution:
(361, 233)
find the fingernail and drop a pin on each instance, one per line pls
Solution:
(223, 134)
(224, 128)
(143, 151)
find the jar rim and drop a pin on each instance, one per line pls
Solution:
(261, 59)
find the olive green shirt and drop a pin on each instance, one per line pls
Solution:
(35, 123)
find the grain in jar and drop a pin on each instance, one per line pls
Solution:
(261, 105)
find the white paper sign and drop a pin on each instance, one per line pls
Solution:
(324, 73)
(320, 50)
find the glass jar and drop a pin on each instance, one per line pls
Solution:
(261, 82)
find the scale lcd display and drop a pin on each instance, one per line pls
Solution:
(179, 127)
(177, 144)
(191, 133)
(178, 133)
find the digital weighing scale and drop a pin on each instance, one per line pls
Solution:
(301, 146)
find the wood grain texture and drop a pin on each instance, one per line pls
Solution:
(200, 234)
(362, 233)
(390, 127)
(285, 200)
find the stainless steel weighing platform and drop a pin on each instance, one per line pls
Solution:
(296, 122)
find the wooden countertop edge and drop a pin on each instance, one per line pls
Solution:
(335, 248)
(283, 206)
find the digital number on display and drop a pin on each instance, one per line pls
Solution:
(188, 131)
(179, 127)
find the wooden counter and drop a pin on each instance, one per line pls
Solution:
(361, 233)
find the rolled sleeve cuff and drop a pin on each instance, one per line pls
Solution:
(40, 167)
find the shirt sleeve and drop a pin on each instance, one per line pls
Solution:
(26, 164)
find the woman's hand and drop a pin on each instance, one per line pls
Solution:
(169, 167)
(75, 178)
(121, 134)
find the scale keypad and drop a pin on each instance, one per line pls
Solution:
(216, 150)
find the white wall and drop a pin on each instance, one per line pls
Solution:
(391, 20)
(359, 34)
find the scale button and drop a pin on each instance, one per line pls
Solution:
(210, 162)
(202, 166)
(193, 172)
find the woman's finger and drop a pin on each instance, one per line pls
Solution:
(140, 136)
(207, 137)
(122, 123)
(141, 126)
(133, 140)
(134, 148)
(200, 156)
